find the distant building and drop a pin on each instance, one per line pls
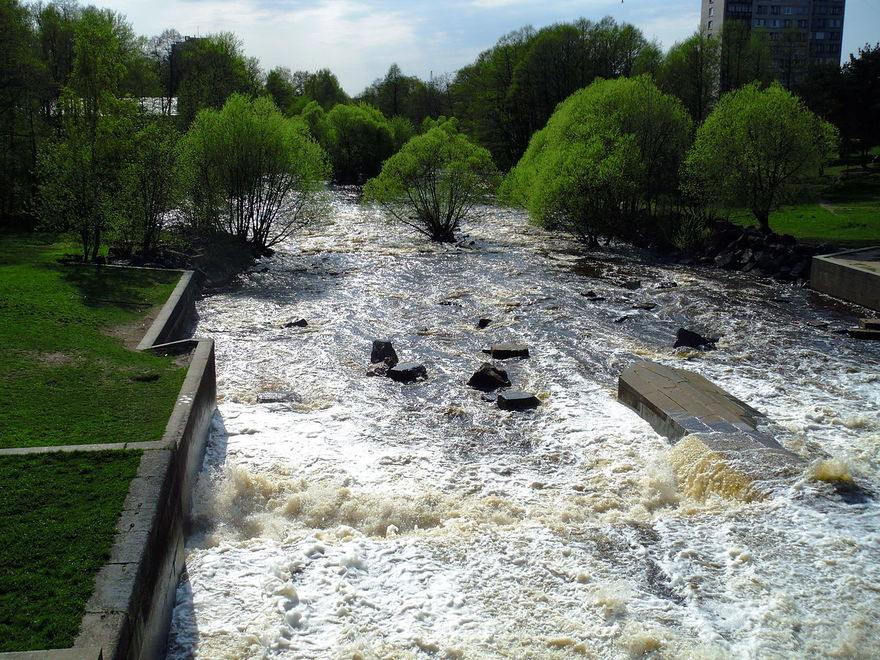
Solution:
(802, 33)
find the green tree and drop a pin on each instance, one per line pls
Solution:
(434, 182)
(606, 159)
(745, 55)
(213, 68)
(280, 86)
(150, 183)
(358, 138)
(253, 173)
(324, 88)
(755, 148)
(690, 71)
(24, 88)
(860, 116)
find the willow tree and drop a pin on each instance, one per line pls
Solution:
(756, 148)
(253, 173)
(607, 159)
(434, 182)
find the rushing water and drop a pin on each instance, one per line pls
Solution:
(370, 519)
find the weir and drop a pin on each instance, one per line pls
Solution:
(852, 275)
(679, 403)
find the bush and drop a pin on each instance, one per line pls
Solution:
(434, 182)
(609, 155)
(253, 173)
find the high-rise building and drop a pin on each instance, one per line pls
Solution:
(801, 33)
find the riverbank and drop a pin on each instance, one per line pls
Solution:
(69, 380)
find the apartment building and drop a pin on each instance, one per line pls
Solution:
(801, 33)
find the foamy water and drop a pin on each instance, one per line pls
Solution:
(370, 519)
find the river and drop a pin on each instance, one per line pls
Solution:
(365, 519)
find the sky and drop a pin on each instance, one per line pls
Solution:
(359, 39)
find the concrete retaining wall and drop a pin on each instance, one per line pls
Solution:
(129, 612)
(852, 275)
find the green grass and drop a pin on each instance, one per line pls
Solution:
(65, 381)
(843, 210)
(57, 517)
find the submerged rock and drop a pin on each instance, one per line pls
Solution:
(482, 323)
(380, 368)
(507, 350)
(489, 377)
(383, 350)
(299, 323)
(273, 396)
(517, 401)
(407, 372)
(690, 339)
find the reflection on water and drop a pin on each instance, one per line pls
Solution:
(363, 518)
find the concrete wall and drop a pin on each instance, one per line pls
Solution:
(129, 612)
(841, 276)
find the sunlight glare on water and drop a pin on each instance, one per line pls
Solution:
(364, 518)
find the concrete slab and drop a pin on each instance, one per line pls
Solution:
(724, 449)
(852, 275)
(55, 654)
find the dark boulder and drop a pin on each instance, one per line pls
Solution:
(507, 350)
(489, 377)
(299, 323)
(383, 350)
(689, 339)
(407, 372)
(482, 323)
(517, 401)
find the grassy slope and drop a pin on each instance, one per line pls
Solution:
(64, 381)
(843, 213)
(57, 517)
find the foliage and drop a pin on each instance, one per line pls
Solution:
(358, 139)
(398, 95)
(690, 71)
(59, 356)
(251, 172)
(150, 185)
(754, 149)
(608, 154)
(745, 56)
(861, 101)
(213, 68)
(434, 182)
(513, 88)
(324, 88)
(58, 512)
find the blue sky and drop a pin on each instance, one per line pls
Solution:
(359, 39)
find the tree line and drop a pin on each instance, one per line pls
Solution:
(82, 152)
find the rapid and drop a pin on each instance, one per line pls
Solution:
(363, 518)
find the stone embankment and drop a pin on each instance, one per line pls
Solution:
(749, 249)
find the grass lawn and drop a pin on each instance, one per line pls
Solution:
(57, 517)
(65, 380)
(844, 213)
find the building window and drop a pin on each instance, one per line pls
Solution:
(709, 25)
(711, 11)
(774, 11)
(761, 9)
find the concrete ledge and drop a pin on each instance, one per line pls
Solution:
(57, 654)
(722, 450)
(852, 275)
(178, 314)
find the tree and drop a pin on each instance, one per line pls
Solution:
(323, 87)
(690, 71)
(434, 182)
(253, 173)
(608, 155)
(754, 149)
(212, 68)
(280, 86)
(745, 55)
(358, 138)
(860, 120)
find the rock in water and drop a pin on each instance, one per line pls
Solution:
(407, 372)
(278, 397)
(489, 377)
(383, 350)
(482, 323)
(517, 401)
(691, 339)
(299, 323)
(506, 350)
(380, 368)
